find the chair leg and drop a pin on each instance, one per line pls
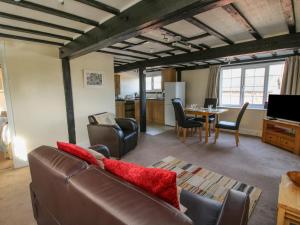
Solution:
(184, 134)
(176, 127)
(209, 129)
(200, 133)
(216, 135)
(237, 139)
(178, 131)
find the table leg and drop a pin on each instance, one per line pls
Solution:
(206, 129)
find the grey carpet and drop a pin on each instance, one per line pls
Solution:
(253, 162)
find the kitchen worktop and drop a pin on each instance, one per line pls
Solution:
(137, 99)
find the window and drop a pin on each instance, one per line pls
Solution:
(153, 83)
(250, 83)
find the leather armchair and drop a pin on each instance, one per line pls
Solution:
(119, 139)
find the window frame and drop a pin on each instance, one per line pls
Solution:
(152, 83)
(243, 67)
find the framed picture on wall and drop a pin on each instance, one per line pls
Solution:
(92, 79)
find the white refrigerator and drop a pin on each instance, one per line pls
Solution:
(173, 90)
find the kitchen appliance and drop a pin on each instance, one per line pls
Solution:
(173, 90)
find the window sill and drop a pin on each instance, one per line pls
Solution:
(239, 107)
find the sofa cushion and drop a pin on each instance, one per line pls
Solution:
(159, 182)
(78, 152)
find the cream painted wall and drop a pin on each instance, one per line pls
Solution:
(129, 83)
(89, 101)
(196, 85)
(34, 80)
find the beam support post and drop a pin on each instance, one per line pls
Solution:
(143, 100)
(69, 99)
(178, 75)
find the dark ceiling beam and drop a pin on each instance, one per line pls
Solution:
(136, 20)
(242, 20)
(289, 14)
(209, 30)
(10, 36)
(290, 41)
(198, 37)
(133, 51)
(38, 22)
(51, 11)
(100, 5)
(170, 45)
(240, 62)
(182, 37)
(122, 54)
(36, 32)
(125, 60)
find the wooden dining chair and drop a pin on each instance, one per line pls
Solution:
(234, 126)
(211, 118)
(184, 123)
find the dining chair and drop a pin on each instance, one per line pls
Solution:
(184, 123)
(234, 126)
(211, 118)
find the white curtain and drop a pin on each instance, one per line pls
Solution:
(291, 76)
(213, 82)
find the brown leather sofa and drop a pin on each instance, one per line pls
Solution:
(119, 139)
(67, 191)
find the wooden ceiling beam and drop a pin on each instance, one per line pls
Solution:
(39, 22)
(170, 45)
(182, 37)
(17, 37)
(198, 37)
(35, 32)
(209, 30)
(122, 54)
(136, 20)
(242, 20)
(51, 11)
(101, 6)
(290, 41)
(289, 14)
(134, 51)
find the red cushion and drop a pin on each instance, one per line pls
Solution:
(159, 182)
(78, 152)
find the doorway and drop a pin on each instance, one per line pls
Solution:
(5, 142)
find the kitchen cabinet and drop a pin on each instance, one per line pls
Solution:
(117, 85)
(168, 75)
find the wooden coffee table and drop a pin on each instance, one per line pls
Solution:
(288, 203)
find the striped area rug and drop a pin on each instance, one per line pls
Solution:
(205, 182)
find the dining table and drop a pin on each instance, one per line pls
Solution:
(205, 112)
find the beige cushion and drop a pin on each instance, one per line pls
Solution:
(106, 119)
(98, 156)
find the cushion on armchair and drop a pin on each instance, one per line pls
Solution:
(106, 119)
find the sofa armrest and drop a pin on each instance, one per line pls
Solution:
(200, 210)
(235, 209)
(102, 149)
(127, 124)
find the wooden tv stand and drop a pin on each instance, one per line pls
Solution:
(283, 134)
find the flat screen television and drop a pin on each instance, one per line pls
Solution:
(284, 107)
